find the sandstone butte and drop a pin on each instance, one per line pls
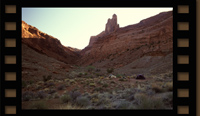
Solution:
(114, 47)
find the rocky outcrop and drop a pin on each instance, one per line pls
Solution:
(112, 24)
(46, 44)
(151, 37)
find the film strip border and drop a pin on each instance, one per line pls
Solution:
(184, 45)
(185, 51)
(10, 57)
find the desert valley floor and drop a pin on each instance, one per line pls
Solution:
(103, 75)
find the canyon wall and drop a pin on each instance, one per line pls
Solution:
(150, 37)
(47, 44)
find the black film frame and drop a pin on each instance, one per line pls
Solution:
(191, 51)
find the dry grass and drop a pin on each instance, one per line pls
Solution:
(69, 106)
(157, 88)
(169, 86)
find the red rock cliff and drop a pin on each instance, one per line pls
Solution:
(150, 37)
(47, 44)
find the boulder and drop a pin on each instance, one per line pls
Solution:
(112, 76)
(140, 76)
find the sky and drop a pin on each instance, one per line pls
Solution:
(74, 26)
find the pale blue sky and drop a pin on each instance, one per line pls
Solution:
(74, 26)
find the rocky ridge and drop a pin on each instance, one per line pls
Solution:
(47, 44)
(150, 37)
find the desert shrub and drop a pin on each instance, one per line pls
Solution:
(156, 88)
(51, 91)
(168, 99)
(74, 94)
(105, 85)
(90, 68)
(140, 97)
(98, 89)
(61, 87)
(24, 84)
(98, 70)
(147, 102)
(121, 79)
(80, 75)
(50, 84)
(128, 94)
(112, 82)
(27, 95)
(151, 103)
(124, 105)
(110, 70)
(38, 87)
(104, 98)
(65, 98)
(97, 74)
(158, 103)
(30, 82)
(118, 75)
(82, 101)
(39, 105)
(41, 94)
(169, 86)
(72, 74)
(100, 82)
(92, 84)
(72, 81)
(70, 106)
(46, 78)
(56, 95)
(103, 101)
(159, 79)
(131, 98)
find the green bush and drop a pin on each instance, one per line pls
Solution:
(118, 75)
